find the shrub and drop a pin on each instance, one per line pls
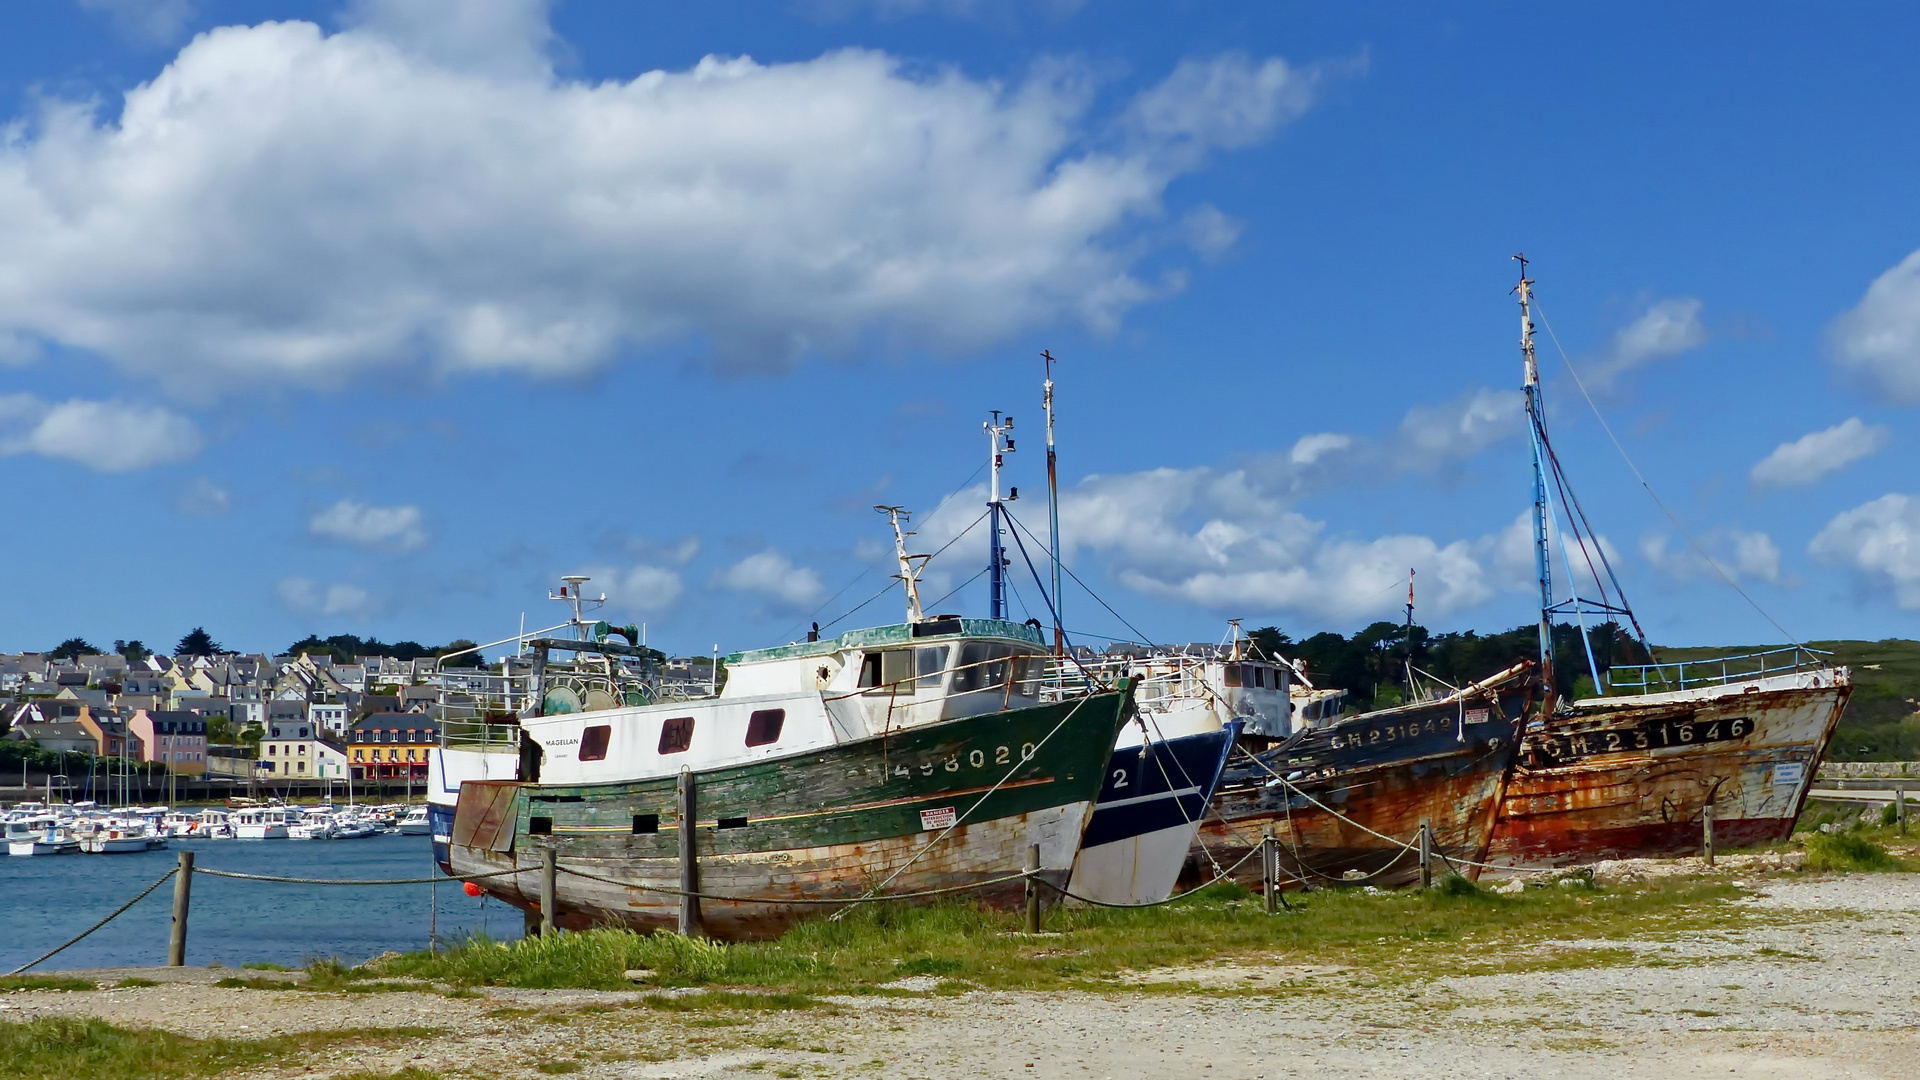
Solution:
(1848, 852)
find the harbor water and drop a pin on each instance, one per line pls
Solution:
(52, 898)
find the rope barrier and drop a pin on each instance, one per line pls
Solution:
(351, 881)
(1217, 879)
(117, 912)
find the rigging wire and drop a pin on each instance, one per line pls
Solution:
(1638, 475)
(1144, 639)
(884, 589)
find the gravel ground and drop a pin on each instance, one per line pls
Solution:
(1821, 985)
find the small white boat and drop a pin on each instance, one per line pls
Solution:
(261, 823)
(212, 824)
(415, 822)
(113, 836)
(41, 834)
(314, 824)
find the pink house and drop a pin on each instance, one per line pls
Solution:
(175, 739)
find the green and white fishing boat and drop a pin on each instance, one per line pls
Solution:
(900, 759)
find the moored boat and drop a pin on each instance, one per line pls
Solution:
(1346, 800)
(1635, 774)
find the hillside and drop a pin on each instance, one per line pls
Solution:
(1882, 722)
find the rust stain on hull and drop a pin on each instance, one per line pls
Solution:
(1585, 788)
(969, 855)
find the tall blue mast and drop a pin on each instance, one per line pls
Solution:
(1534, 421)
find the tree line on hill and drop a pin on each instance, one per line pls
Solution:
(1371, 665)
(343, 648)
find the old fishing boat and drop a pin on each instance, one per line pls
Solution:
(1662, 750)
(1346, 800)
(891, 760)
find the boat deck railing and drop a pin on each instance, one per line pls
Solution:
(1716, 671)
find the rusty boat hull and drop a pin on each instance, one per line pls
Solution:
(1345, 800)
(948, 805)
(1632, 777)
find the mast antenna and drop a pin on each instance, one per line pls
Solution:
(909, 573)
(998, 444)
(1410, 636)
(1053, 511)
(570, 592)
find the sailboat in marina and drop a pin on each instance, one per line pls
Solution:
(1662, 752)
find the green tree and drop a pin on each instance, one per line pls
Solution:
(74, 648)
(197, 642)
(135, 650)
(459, 653)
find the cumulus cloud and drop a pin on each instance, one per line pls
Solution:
(203, 498)
(283, 204)
(637, 590)
(1667, 328)
(1810, 457)
(312, 598)
(773, 575)
(1879, 339)
(1751, 555)
(1431, 439)
(1880, 542)
(110, 436)
(394, 528)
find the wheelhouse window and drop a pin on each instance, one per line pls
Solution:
(930, 664)
(764, 725)
(593, 742)
(1232, 673)
(676, 735)
(1027, 673)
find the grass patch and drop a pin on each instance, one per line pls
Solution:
(1456, 927)
(555, 1068)
(133, 984)
(263, 965)
(1848, 852)
(64, 1048)
(45, 982)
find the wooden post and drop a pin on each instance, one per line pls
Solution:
(1033, 889)
(182, 897)
(1706, 832)
(1900, 809)
(1426, 854)
(689, 861)
(1270, 869)
(549, 873)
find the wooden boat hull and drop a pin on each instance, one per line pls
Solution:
(828, 824)
(1632, 777)
(1375, 778)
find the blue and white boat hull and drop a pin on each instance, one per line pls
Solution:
(1150, 808)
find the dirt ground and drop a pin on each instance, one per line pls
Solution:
(1826, 984)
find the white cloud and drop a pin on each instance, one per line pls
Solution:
(1879, 541)
(637, 590)
(773, 575)
(1810, 457)
(396, 528)
(203, 498)
(1667, 328)
(1210, 232)
(1311, 448)
(109, 436)
(1751, 555)
(1433, 437)
(310, 598)
(1880, 337)
(283, 204)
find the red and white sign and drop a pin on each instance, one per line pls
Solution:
(937, 819)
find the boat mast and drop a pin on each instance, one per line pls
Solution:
(1053, 511)
(908, 573)
(1409, 636)
(997, 444)
(1534, 421)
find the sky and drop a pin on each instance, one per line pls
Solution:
(378, 317)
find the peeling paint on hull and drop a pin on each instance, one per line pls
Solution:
(1450, 774)
(1574, 798)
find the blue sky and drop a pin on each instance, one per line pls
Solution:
(379, 317)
